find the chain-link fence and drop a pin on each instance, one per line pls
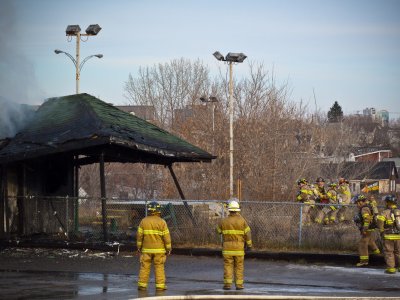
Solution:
(274, 225)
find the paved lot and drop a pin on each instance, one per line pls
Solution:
(66, 274)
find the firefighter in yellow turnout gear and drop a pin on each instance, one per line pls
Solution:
(389, 227)
(364, 220)
(236, 235)
(328, 213)
(344, 198)
(153, 244)
(305, 195)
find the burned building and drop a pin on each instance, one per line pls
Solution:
(43, 159)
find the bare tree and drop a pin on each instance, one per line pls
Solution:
(168, 87)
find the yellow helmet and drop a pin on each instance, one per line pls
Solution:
(233, 205)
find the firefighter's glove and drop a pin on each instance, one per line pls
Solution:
(138, 251)
(169, 252)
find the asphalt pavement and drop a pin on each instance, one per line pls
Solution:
(74, 274)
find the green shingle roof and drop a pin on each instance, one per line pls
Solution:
(77, 122)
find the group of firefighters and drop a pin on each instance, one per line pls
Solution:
(330, 203)
(154, 239)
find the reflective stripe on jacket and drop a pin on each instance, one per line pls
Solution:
(345, 193)
(387, 225)
(367, 218)
(153, 235)
(305, 194)
(236, 233)
(332, 196)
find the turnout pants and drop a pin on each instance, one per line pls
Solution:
(392, 254)
(233, 268)
(367, 241)
(306, 211)
(146, 259)
(342, 213)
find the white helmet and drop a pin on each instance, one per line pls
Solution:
(233, 206)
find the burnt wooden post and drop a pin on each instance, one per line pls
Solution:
(6, 207)
(21, 199)
(3, 210)
(181, 194)
(76, 194)
(103, 197)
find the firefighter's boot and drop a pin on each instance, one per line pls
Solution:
(362, 263)
(390, 271)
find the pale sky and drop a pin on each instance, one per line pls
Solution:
(343, 50)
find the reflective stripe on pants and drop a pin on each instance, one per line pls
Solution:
(233, 267)
(145, 265)
(366, 241)
(392, 253)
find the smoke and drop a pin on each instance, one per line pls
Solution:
(18, 83)
(13, 117)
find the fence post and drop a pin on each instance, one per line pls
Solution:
(145, 208)
(67, 216)
(300, 224)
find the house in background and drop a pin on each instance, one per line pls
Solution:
(377, 177)
(396, 161)
(374, 177)
(372, 154)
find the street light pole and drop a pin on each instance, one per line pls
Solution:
(75, 30)
(77, 72)
(230, 130)
(230, 59)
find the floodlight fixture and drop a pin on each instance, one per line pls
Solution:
(73, 29)
(58, 51)
(235, 57)
(93, 29)
(99, 55)
(218, 55)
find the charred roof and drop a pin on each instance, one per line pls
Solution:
(84, 125)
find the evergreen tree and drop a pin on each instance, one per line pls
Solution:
(335, 114)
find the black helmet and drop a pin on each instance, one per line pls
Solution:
(360, 197)
(154, 207)
(391, 198)
(320, 179)
(302, 180)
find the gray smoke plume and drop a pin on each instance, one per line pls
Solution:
(13, 117)
(17, 77)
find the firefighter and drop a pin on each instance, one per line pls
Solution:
(320, 192)
(236, 236)
(344, 198)
(328, 213)
(305, 195)
(153, 244)
(389, 227)
(364, 220)
(320, 198)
